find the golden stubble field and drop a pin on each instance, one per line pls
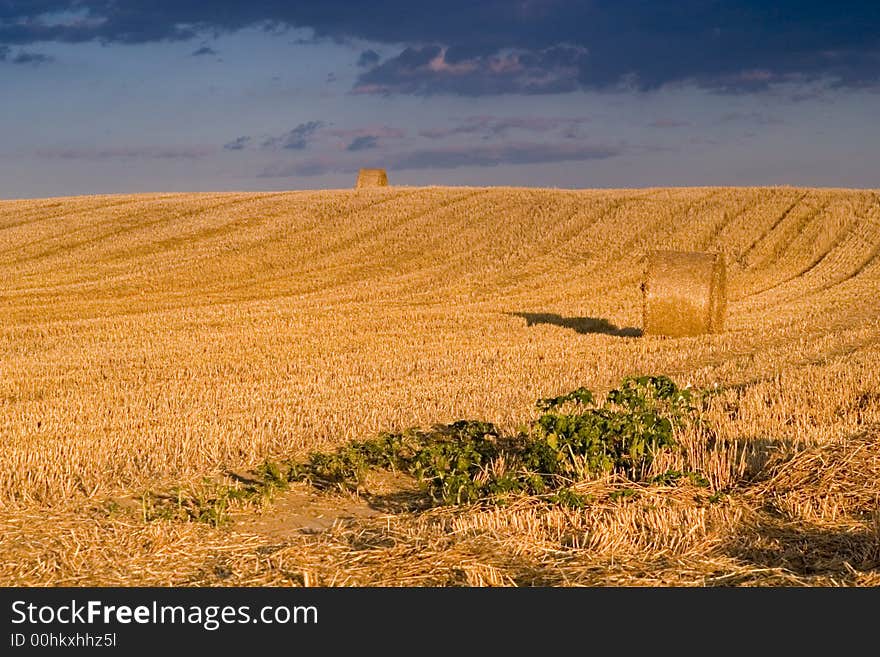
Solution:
(148, 342)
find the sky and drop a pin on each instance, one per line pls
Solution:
(125, 96)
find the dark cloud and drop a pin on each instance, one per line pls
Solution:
(238, 144)
(352, 139)
(368, 58)
(430, 70)
(452, 157)
(496, 126)
(296, 139)
(534, 46)
(23, 57)
(32, 58)
(203, 51)
(364, 143)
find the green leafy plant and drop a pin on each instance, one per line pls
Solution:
(574, 439)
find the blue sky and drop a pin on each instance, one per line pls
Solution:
(102, 96)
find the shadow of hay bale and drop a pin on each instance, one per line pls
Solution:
(583, 325)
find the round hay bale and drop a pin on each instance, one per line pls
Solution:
(684, 293)
(372, 178)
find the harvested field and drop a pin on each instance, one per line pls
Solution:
(148, 342)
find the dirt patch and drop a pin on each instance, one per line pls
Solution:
(304, 509)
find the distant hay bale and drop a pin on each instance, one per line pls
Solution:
(684, 293)
(372, 178)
